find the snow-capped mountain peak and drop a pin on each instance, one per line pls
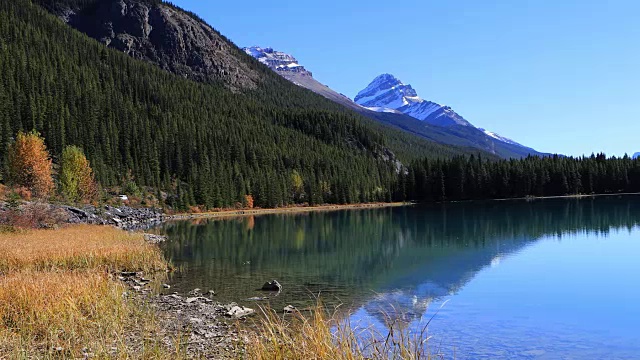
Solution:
(276, 60)
(289, 68)
(388, 92)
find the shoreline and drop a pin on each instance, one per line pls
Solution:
(574, 196)
(326, 208)
(289, 210)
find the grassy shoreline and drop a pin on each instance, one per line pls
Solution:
(59, 297)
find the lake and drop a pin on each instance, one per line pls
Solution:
(541, 279)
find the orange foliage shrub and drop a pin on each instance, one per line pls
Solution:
(30, 164)
(248, 199)
(195, 209)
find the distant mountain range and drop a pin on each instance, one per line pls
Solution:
(389, 100)
(180, 42)
(636, 155)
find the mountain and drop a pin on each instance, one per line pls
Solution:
(289, 68)
(195, 135)
(180, 42)
(386, 93)
(377, 101)
(636, 155)
(161, 34)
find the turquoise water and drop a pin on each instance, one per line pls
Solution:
(544, 279)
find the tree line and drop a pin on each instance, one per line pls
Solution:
(472, 178)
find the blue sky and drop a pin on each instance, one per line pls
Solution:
(559, 76)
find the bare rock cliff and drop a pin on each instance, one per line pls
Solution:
(157, 32)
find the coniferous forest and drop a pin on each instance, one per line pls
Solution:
(203, 144)
(471, 178)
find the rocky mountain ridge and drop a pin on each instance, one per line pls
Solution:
(289, 68)
(159, 33)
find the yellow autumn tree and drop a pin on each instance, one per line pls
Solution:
(297, 185)
(77, 182)
(29, 164)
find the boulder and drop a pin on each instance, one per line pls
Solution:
(197, 298)
(272, 286)
(155, 239)
(195, 292)
(238, 312)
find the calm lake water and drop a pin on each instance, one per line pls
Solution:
(544, 279)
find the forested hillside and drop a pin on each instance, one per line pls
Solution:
(202, 142)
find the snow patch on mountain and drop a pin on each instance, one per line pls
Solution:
(386, 110)
(498, 137)
(423, 112)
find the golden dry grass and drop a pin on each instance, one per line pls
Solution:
(59, 300)
(47, 310)
(67, 314)
(78, 247)
(318, 334)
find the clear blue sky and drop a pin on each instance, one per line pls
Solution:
(559, 76)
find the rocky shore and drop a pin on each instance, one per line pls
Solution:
(203, 327)
(123, 217)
